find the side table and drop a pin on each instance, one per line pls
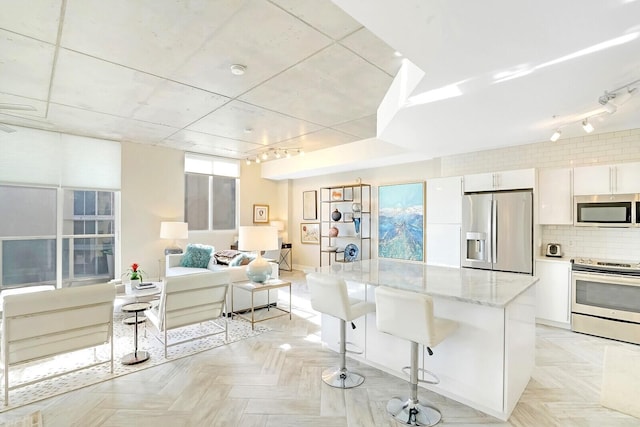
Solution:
(136, 356)
(286, 257)
(259, 287)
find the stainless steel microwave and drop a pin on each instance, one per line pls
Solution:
(615, 210)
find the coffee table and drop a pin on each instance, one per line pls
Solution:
(137, 356)
(253, 287)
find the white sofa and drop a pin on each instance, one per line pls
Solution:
(189, 299)
(42, 324)
(241, 299)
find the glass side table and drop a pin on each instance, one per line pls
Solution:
(260, 287)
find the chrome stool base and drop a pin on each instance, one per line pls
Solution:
(341, 378)
(413, 413)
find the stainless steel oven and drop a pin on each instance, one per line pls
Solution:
(605, 299)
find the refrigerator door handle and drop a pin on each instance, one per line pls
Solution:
(494, 231)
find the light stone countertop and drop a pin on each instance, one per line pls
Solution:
(492, 288)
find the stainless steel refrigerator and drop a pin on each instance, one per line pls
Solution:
(497, 231)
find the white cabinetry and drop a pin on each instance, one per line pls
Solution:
(555, 199)
(623, 178)
(444, 216)
(505, 180)
(553, 292)
(444, 200)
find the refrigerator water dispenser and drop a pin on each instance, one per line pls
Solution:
(476, 246)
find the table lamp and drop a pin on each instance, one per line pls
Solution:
(279, 225)
(256, 238)
(174, 231)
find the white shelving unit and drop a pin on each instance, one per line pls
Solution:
(346, 199)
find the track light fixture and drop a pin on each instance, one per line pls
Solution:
(613, 99)
(588, 127)
(275, 153)
(556, 135)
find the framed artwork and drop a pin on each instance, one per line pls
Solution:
(309, 205)
(260, 213)
(401, 221)
(310, 233)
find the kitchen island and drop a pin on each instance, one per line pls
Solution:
(486, 363)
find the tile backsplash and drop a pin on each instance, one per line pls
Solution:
(592, 242)
(605, 148)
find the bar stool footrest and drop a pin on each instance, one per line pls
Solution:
(407, 371)
(413, 413)
(341, 378)
(356, 349)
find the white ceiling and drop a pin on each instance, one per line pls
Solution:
(157, 71)
(522, 68)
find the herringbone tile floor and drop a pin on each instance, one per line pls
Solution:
(274, 380)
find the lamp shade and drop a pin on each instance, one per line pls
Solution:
(174, 230)
(256, 238)
(279, 225)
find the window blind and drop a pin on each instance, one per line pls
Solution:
(31, 156)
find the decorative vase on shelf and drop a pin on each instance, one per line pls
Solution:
(336, 215)
(356, 207)
(356, 223)
(333, 232)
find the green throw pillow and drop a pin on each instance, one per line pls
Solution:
(196, 256)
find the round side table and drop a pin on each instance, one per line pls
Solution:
(137, 356)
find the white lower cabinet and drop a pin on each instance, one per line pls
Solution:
(553, 292)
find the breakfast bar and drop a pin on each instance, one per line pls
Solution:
(486, 363)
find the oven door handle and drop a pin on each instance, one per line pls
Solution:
(607, 278)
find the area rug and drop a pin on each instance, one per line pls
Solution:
(123, 344)
(31, 420)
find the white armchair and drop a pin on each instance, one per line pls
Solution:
(189, 299)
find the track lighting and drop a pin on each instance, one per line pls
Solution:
(613, 99)
(275, 153)
(556, 135)
(588, 127)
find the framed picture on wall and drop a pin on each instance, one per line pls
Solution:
(309, 205)
(310, 233)
(260, 213)
(401, 221)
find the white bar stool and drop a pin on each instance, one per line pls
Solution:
(409, 315)
(329, 296)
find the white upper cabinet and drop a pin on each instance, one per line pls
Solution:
(505, 180)
(444, 200)
(607, 179)
(555, 200)
(627, 178)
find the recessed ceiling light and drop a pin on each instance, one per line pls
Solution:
(398, 54)
(238, 69)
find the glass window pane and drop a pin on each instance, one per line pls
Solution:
(78, 227)
(78, 202)
(197, 201)
(224, 203)
(105, 227)
(28, 262)
(89, 227)
(27, 211)
(105, 203)
(89, 202)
